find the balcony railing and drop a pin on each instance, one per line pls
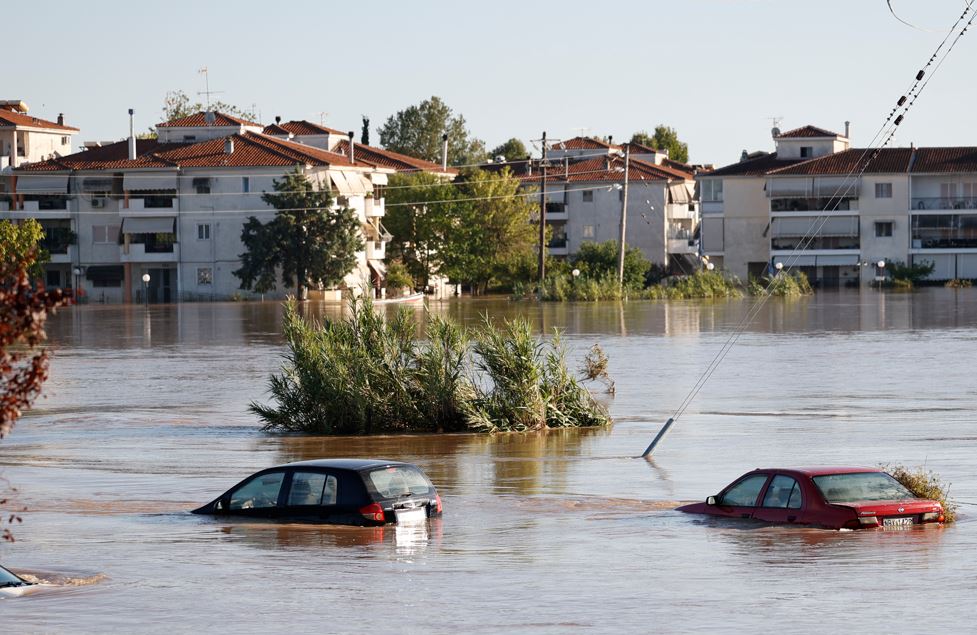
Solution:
(823, 242)
(940, 202)
(139, 252)
(813, 204)
(375, 250)
(373, 208)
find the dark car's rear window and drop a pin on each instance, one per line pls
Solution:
(400, 480)
(860, 486)
(9, 579)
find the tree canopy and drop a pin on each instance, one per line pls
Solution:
(512, 149)
(600, 260)
(309, 242)
(665, 138)
(416, 131)
(178, 104)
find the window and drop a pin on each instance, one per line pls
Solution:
(105, 234)
(588, 231)
(259, 492)
(203, 231)
(783, 493)
(189, 138)
(712, 190)
(744, 493)
(807, 152)
(391, 482)
(245, 184)
(342, 201)
(588, 196)
(201, 185)
(883, 229)
(883, 190)
(52, 278)
(312, 488)
(205, 275)
(860, 486)
(65, 141)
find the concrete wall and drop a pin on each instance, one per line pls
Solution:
(894, 210)
(746, 214)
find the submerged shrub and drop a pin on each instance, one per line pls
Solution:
(958, 283)
(363, 374)
(925, 484)
(782, 284)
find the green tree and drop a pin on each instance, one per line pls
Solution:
(177, 104)
(420, 211)
(512, 149)
(491, 233)
(665, 138)
(21, 244)
(417, 131)
(600, 260)
(365, 132)
(309, 241)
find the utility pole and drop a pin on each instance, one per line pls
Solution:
(542, 217)
(624, 217)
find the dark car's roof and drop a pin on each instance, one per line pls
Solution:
(820, 471)
(345, 464)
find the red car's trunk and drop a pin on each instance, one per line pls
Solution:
(911, 511)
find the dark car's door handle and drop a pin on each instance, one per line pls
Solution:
(791, 519)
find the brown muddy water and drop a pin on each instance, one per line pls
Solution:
(145, 418)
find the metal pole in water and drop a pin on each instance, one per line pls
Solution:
(659, 437)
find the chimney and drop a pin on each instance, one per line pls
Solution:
(229, 145)
(132, 136)
(278, 119)
(848, 130)
(444, 152)
(352, 154)
(610, 139)
(60, 118)
(744, 156)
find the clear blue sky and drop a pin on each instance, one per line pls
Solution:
(716, 70)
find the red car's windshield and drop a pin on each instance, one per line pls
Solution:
(860, 486)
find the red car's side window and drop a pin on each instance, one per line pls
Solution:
(745, 492)
(783, 493)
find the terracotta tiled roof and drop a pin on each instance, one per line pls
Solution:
(389, 159)
(308, 128)
(198, 120)
(757, 166)
(678, 165)
(250, 150)
(593, 170)
(941, 160)
(583, 143)
(887, 161)
(639, 148)
(9, 119)
(275, 129)
(807, 132)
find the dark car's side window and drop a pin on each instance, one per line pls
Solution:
(744, 493)
(783, 493)
(312, 488)
(261, 491)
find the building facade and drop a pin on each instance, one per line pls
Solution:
(174, 207)
(26, 139)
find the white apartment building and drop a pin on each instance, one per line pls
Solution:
(811, 204)
(25, 139)
(174, 207)
(585, 194)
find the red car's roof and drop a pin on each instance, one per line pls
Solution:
(821, 471)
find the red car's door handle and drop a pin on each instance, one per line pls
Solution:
(791, 519)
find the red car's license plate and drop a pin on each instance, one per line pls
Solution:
(897, 522)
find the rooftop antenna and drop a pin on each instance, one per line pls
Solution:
(322, 117)
(775, 121)
(207, 92)
(582, 131)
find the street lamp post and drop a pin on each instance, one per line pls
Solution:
(881, 275)
(779, 267)
(145, 289)
(77, 271)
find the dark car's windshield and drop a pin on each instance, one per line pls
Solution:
(860, 486)
(400, 480)
(9, 579)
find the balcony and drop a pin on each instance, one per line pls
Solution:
(943, 203)
(150, 206)
(52, 209)
(556, 211)
(683, 246)
(373, 207)
(142, 252)
(681, 211)
(822, 204)
(376, 250)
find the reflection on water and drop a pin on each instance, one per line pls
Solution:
(146, 417)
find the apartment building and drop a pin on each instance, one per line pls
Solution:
(174, 207)
(25, 138)
(834, 211)
(585, 193)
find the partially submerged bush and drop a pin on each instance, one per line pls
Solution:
(783, 284)
(958, 283)
(925, 484)
(366, 375)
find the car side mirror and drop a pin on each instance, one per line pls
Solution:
(711, 500)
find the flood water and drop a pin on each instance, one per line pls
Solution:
(145, 417)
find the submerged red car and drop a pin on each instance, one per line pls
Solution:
(830, 497)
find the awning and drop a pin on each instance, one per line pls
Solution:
(378, 178)
(679, 193)
(811, 226)
(42, 183)
(840, 186)
(339, 182)
(789, 186)
(791, 260)
(105, 273)
(837, 261)
(149, 180)
(369, 231)
(378, 267)
(358, 183)
(148, 226)
(97, 184)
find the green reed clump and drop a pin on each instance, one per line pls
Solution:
(701, 284)
(786, 285)
(363, 374)
(925, 484)
(583, 288)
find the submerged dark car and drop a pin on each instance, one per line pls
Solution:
(340, 491)
(12, 584)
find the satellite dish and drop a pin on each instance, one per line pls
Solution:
(775, 131)
(210, 117)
